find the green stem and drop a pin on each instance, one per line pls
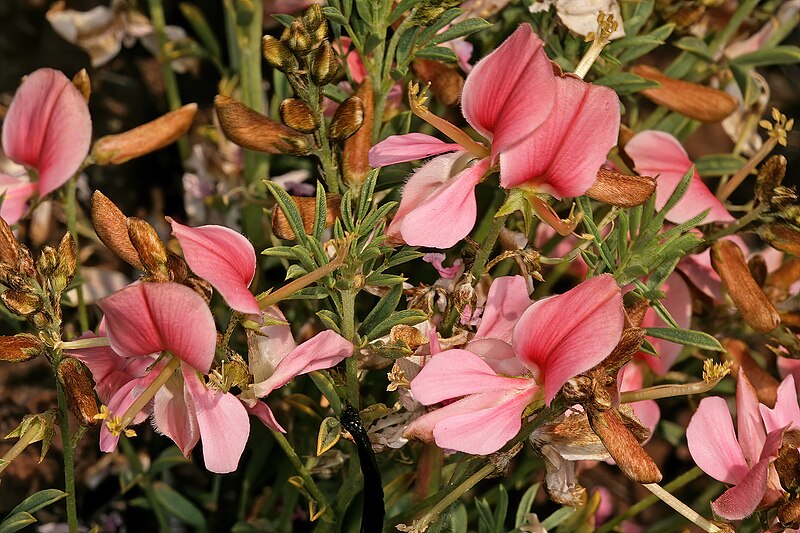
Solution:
(170, 80)
(310, 485)
(640, 506)
(71, 212)
(69, 464)
(348, 332)
(133, 459)
(730, 229)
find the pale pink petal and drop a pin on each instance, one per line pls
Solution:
(786, 411)
(499, 355)
(223, 422)
(224, 258)
(565, 335)
(48, 127)
(354, 63)
(659, 154)
(748, 420)
(507, 300)
(455, 373)
(147, 318)
(559, 158)
(324, 350)
(790, 367)
(173, 414)
(410, 147)
(437, 260)
(448, 214)
(510, 92)
(266, 350)
(484, 431)
(109, 371)
(741, 501)
(698, 270)
(122, 399)
(678, 302)
(262, 411)
(16, 193)
(712, 442)
(631, 378)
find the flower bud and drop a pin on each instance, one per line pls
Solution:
(782, 237)
(765, 385)
(78, 390)
(21, 303)
(324, 64)
(307, 207)
(728, 261)
(315, 23)
(298, 115)
(410, 335)
(20, 347)
(178, 269)
(9, 247)
(445, 81)
(623, 447)
(758, 269)
(111, 226)
(278, 55)
(25, 264)
(47, 261)
(67, 262)
(780, 281)
(355, 153)
(252, 130)
(83, 83)
(154, 135)
(770, 176)
(621, 190)
(347, 119)
(789, 514)
(297, 37)
(150, 248)
(689, 99)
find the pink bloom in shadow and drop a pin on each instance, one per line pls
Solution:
(531, 120)
(743, 461)
(554, 340)
(48, 129)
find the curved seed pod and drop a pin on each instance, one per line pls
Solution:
(355, 154)
(252, 130)
(111, 226)
(78, 390)
(621, 190)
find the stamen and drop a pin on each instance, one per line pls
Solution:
(548, 215)
(417, 101)
(606, 26)
(148, 394)
(77, 344)
(690, 514)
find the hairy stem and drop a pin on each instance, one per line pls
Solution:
(69, 463)
(310, 485)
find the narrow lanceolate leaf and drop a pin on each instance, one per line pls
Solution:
(16, 522)
(778, 55)
(38, 501)
(686, 337)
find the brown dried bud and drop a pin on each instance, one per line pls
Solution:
(298, 38)
(347, 119)
(20, 347)
(621, 190)
(151, 249)
(298, 115)
(355, 153)
(178, 269)
(635, 308)
(446, 82)
(789, 513)
(252, 130)
(779, 281)
(770, 176)
(623, 447)
(409, 335)
(47, 261)
(578, 389)
(307, 207)
(758, 269)
(9, 247)
(788, 462)
(83, 83)
(201, 287)
(25, 264)
(765, 385)
(21, 303)
(315, 23)
(689, 99)
(67, 262)
(278, 55)
(78, 390)
(324, 64)
(111, 226)
(782, 237)
(628, 345)
(728, 261)
(154, 135)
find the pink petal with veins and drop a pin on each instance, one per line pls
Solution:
(48, 127)
(224, 258)
(16, 193)
(786, 411)
(410, 147)
(713, 444)
(507, 300)
(174, 416)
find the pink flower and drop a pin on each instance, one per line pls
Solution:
(555, 339)
(744, 462)
(534, 121)
(224, 258)
(47, 128)
(678, 301)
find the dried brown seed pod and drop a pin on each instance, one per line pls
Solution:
(23, 303)
(278, 54)
(307, 207)
(355, 153)
(324, 64)
(624, 447)
(150, 248)
(78, 390)
(20, 347)
(782, 237)
(252, 130)
(111, 226)
(347, 119)
(621, 190)
(9, 247)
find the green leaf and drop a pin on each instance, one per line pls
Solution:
(525, 504)
(320, 212)
(347, 210)
(379, 214)
(169, 458)
(447, 17)
(714, 165)
(38, 501)
(401, 9)
(438, 53)
(330, 320)
(334, 15)
(281, 252)
(335, 93)
(749, 87)
(383, 310)
(646, 43)
(501, 509)
(635, 14)
(366, 194)
(695, 46)
(687, 337)
(330, 431)
(201, 27)
(779, 55)
(626, 82)
(557, 517)
(459, 519)
(408, 316)
(462, 29)
(385, 280)
(15, 522)
(364, 8)
(178, 505)
(289, 209)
